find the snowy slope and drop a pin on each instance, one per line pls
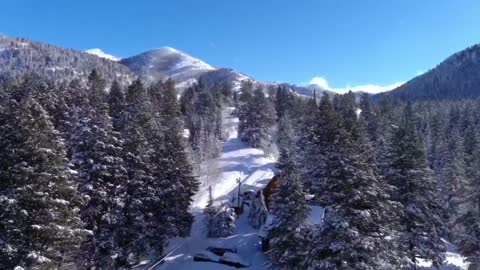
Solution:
(101, 54)
(237, 160)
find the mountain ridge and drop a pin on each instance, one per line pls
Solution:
(456, 77)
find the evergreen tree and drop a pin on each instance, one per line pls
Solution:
(452, 178)
(307, 143)
(284, 102)
(370, 121)
(322, 141)
(176, 167)
(291, 211)
(39, 217)
(262, 119)
(421, 223)
(243, 110)
(210, 211)
(359, 214)
(97, 157)
(116, 104)
(135, 120)
(97, 94)
(468, 221)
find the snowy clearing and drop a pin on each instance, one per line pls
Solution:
(255, 170)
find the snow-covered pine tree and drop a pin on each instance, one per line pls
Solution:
(226, 221)
(452, 179)
(284, 101)
(421, 222)
(136, 155)
(97, 94)
(202, 109)
(39, 206)
(243, 108)
(116, 104)
(323, 136)
(286, 142)
(262, 117)
(177, 169)
(210, 212)
(377, 129)
(369, 119)
(290, 210)
(307, 143)
(468, 236)
(160, 221)
(98, 158)
(257, 214)
(359, 215)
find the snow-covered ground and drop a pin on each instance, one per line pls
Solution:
(255, 170)
(454, 261)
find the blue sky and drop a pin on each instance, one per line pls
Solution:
(344, 44)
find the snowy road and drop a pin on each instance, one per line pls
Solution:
(236, 160)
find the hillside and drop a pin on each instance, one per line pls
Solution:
(19, 56)
(457, 77)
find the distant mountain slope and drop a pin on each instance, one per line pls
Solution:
(20, 56)
(457, 77)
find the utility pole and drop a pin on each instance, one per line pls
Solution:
(239, 181)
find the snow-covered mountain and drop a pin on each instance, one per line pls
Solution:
(101, 54)
(20, 56)
(167, 62)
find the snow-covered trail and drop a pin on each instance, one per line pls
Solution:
(236, 160)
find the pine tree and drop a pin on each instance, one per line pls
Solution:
(176, 167)
(116, 104)
(97, 157)
(452, 178)
(210, 214)
(369, 119)
(284, 102)
(291, 211)
(421, 223)
(243, 109)
(359, 214)
(262, 119)
(97, 94)
(286, 142)
(39, 217)
(321, 143)
(468, 221)
(135, 120)
(307, 143)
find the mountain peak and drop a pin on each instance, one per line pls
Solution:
(101, 54)
(168, 62)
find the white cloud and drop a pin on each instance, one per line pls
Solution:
(322, 82)
(370, 88)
